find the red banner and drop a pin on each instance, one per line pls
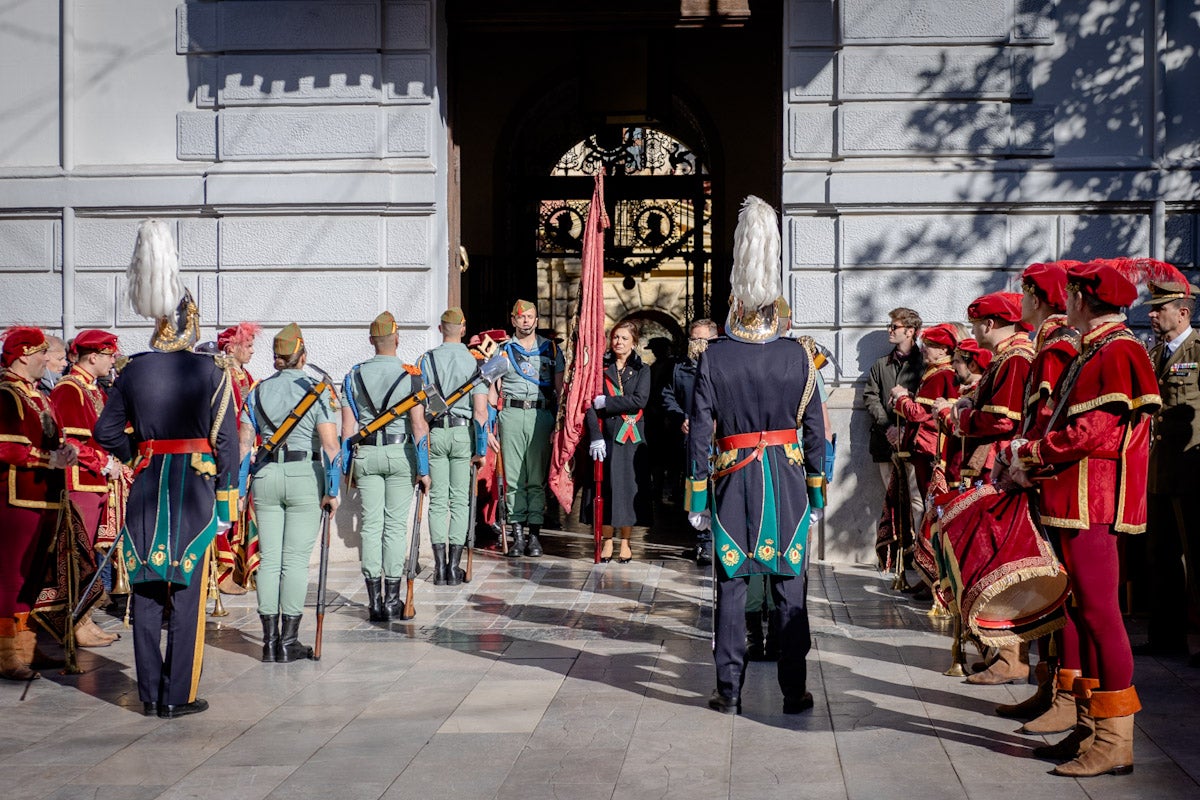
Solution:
(586, 356)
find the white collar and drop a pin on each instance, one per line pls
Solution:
(1174, 344)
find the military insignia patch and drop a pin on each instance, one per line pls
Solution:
(725, 460)
(795, 453)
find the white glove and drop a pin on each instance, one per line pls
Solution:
(112, 468)
(598, 450)
(223, 527)
(598, 401)
(700, 520)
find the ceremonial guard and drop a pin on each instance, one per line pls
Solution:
(386, 465)
(758, 394)
(988, 419)
(237, 549)
(1092, 464)
(457, 439)
(184, 435)
(296, 473)
(78, 400)
(1043, 307)
(1173, 524)
(32, 457)
(530, 391)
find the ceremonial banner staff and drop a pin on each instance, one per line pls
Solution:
(584, 377)
(180, 407)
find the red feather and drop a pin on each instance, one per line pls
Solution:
(1143, 270)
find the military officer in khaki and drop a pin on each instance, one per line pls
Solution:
(290, 487)
(530, 390)
(1173, 524)
(456, 439)
(385, 466)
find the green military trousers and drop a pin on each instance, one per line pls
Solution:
(384, 476)
(287, 503)
(525, 445)
(450, 487)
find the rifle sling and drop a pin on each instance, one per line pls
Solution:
(294, 416)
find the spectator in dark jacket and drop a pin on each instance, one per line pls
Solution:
(901, 367)
(677, 399)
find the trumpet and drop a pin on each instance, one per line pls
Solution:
(120, 573)
(213, 589)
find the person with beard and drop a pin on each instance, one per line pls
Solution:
(530, 391)
(677, 401)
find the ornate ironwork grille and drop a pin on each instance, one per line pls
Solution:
(659, 202)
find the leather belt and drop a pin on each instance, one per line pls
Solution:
(758, 441)
(172, 447)
(449, 421)
(380, 439)
(526, 404)
(287, 455)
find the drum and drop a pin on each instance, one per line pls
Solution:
(1006, 582)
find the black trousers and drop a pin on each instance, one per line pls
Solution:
(169, 679)
(1173, 545)
(729, 650)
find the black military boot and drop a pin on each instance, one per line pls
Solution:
(533, 548)
(270, 623)
(393, 606)
(375, 610)
(454, 574)
(755, 644)
(290, 648)
(517, 548)
(439, 564)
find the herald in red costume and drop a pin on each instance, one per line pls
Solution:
(237, 548)
(1092, 465)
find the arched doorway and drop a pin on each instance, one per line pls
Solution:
(658, 247)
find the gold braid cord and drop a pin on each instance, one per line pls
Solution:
(809, 387)
(226, 392)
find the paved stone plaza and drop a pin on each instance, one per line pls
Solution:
(549, 678)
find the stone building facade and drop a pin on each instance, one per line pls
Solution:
(324, 161)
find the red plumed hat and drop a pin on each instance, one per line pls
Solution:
(1115, 280)
(944, 335)
(242, 333)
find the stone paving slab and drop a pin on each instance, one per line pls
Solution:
(554, 678)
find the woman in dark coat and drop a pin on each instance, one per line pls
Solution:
(617, 432)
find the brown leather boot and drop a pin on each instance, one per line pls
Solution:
(1036, 704)
(12, 666)
(1061, 715)
(1081, 736)
(1011, 666)
(1111, 752)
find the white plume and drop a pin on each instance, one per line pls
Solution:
(755, 279)
(155, 287)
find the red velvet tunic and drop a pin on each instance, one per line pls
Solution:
(77, 402)
(999, 402)
(921, 432)
(1057, 345)
(1092, 462)
(32, 493)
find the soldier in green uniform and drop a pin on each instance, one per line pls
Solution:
(299, 477)
(530, 390)
(385, 466)
(456, 439)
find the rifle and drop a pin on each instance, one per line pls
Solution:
(322, 573)
(414, 548)
(471, 521)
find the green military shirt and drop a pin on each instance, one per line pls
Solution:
(448, 366)
(270, 402)
(376, 385)
(531, 373)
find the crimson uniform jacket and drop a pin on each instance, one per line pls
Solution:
(1057, 344)
(77, 402)
(1092, 462)
(921, 432)
(28, 434)
(995, 417)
